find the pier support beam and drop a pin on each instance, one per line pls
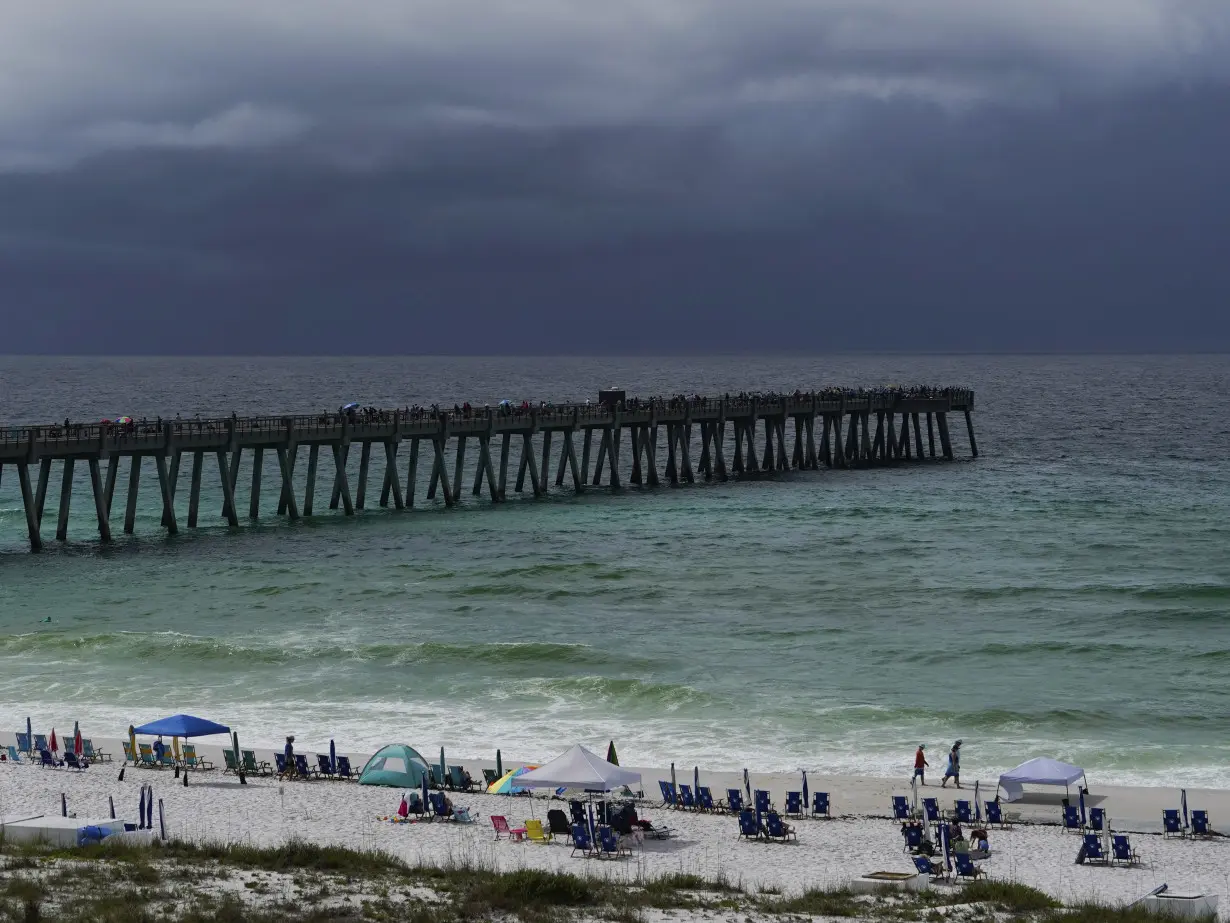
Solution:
(28, 504)
(546, 460)
(194, 488)
(174, 482)
(589, 435)
(412, 471)
(969, 427)
(168, 498)
(941, 419)
(439, 471)
(258, 466)
(40, 498)
(342, 483)
(134, 483)
(288, 484)
(365, 461)
(505, 450)
(309, 492)
(930, 434)
(228, 490)
(918, 449)
(100, 501)
(66, 496)
(391, 481)
(288, 487)
(339, 475)
(113, 470)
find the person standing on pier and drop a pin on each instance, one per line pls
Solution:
(954, 766)
(921, 764)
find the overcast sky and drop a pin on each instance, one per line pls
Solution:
(457, 176)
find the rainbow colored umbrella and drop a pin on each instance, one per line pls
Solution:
(504, 784)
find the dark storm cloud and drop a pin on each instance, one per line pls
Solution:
(870, 174)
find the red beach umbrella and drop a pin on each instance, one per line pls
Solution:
(54, 748)
(77, 742)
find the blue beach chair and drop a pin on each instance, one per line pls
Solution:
(324, 766)
(704, 799)
(734, 800)
(23, 743)
(72, 761)
(609, 845)
(1091, 849)
(302, 769)
(1200, 824)
(820, 805)
(794, 804)
(581, 843)
(686, 799)
(762, 803)
(931, 810)
(14, 756)
(669, 798)
(995, 814)
(1097, 819)
(966, 867)
(279, 762)
(576, 810)
(777, 829)
(901, 807)
(913, 835)
(94, 756)
(964, 811)
(1171, 824)
(747, 824)
(40, 742)
(1072, 819)
(46, 760)
(1122, 852)
(934, 870)
(344, 771)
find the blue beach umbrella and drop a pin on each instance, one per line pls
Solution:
(1082, 806)
(149, 809)
(29, 735)
(332, 756)
(696, 782)
(747, 784)
(141, 810)
(1183, 798)
(806, 800)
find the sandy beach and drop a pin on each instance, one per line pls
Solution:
(828, 853)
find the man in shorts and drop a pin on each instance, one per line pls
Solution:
(920, 764)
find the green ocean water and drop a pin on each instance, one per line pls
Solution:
(1066, 594)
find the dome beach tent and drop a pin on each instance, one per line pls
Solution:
(1041, 770)
(397, 765)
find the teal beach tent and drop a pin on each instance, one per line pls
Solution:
(397, 765)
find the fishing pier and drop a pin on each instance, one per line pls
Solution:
(642, 443)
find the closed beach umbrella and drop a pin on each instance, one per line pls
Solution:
(141, 810)
(235, 744)
(1082, 801)
(806, 800)
(332, 756)
(1106, 835)
(914, 796)
(425, 802)
(944, 841)
(499, 764)
(673, 777)
(593, 832)
(54, 745)
(132, 742)
(442, 769)
(76, 738)
(977, 804)
(29, 735)
(696, 781)
(747, 784)
(1183, 798)
(175, 748)
(611, 756)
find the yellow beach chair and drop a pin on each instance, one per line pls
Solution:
(129, 755)
(192, 761)
(147, 756)
(535, 833)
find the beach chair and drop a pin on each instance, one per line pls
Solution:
(778, 829)
(534, 832)
(931, 810)
(46, 760)
(72, 761)
(1172, 824)
(262, 768)
(1097, 819)
(901, 807)
(192, 761)
(167, 760)
(1121, 851)
(279, 765)
(301, 766)
(129, 756)
(577, 811)
(1072, 819)
(457, 776)
(1200, 823)
(610, 846)
(933, 870)
(966, 867)
(40, 742)
(669, 798)
(324, 766)
(344, 772)
(747, 824)
(229, 763)
(500, 823)
(913, 836)
(14, 756)
(686, 800)
(704, 799)
(557, 823)
(433, 777)
(1091, 850)
(439, 807)
(94, 756)
(995, 815)
(761, 802)
(146, 753)
(734, 800)
(23, 743)
(821, 806)
(581, 843)
(490, 777)
(963, 811)
(794, 804)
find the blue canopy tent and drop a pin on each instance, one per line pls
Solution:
(182, 726)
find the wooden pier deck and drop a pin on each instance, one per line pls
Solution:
(727, 437)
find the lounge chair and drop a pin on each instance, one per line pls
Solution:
(302, 769)
(324, 766)
(72, 761)
(821, 806)
(1172, 825)
(279, 763)
(534, 832)
(129, 755)
(610, 846)
(931, 810)
(439, 806)
(490, 777)
(581, 842)
(94, 756)
(995, 814)
(40, 742)
(433, 777)
(147, 756)
(913, 835)
(669, 798)
(344, 772)
(1072, 819)
(577, 811)
(557, 823)
(966, 867)
(1097, 819)
(167, 760)
(1091, 849)
(686, 798)
(23, 743)
(761, 801)
(192, 761)
(1121, 851)
(262, 768)
(794, 804)
(1200, 823)
(963, 811)
(457, 777)
(778, 829)
(500, 823)
(933, 870)
(747, 824)
(901, 807)
(45, 760)
(704, 799)
(14, 756)
(229, 764)
(734, 800)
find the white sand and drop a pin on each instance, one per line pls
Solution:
(216, 807)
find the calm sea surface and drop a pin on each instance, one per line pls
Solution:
(1066, 594)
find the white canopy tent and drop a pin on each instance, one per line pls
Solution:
(1041, 770)
(578, 768)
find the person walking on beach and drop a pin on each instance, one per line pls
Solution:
(921, 764)
(289, 755)
(954, 766)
